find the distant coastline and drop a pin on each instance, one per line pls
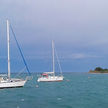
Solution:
(99, 70)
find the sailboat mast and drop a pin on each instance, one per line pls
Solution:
(53, 56)
(8, 45)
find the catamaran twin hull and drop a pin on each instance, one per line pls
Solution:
(50, 79)
(12, 84)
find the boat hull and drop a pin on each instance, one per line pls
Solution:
(12, 84)
(50, 79)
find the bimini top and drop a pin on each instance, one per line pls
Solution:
(44, 74)
(48, 73)
(3, 75)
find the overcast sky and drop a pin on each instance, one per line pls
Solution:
(78, 27)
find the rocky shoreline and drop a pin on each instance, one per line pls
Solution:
(99, 70)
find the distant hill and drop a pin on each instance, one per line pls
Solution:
(99, 70)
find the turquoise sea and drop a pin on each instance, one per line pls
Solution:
(78, 90)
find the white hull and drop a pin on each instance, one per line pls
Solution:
(50, 79)
(12, 83)
(50, 76)
(8, 82)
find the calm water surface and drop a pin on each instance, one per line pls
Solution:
(78, 90)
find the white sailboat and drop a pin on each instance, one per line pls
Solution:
(50, 76)
(7, 81)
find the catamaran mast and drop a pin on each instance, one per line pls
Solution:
(53, 56)
(8, 45)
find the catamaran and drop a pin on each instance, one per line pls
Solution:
(7, 81)
(50, 76)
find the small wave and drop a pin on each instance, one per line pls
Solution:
(59, 98)
(37, 86)
(22, 99)
(18, 107)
